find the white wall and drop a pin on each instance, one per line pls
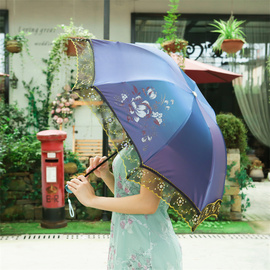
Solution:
(41, 16)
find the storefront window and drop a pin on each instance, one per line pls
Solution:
(248, 97)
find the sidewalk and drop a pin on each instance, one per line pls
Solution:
(258, 214)
(200, 251)
(89, 252)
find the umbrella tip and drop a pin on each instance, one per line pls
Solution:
(194, 93)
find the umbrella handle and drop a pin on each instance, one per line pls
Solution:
(100, 164)
(122, 145)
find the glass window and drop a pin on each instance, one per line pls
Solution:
(197, 31)
(3, 30)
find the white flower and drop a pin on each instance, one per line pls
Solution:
(140, 108)
(151, 93)
(146, 138)
(124, 97)
(157, 116)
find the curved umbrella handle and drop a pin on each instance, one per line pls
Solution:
(122, 145)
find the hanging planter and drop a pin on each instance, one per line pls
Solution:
(174, 46)
(170, 42)
(70, 49)
(13, 46)
(231, 37)
(13, 81)
(231, 46)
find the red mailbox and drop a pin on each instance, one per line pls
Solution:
(52, 163)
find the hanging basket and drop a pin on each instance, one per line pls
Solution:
(174, 45)
(70, 48)
(13, 81)
(231, 46)
(13, 46)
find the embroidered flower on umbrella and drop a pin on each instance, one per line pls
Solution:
(143, 106)
(158, 117)
(150, 92)
(161, 186)
(195, 219)
(180, 201)
(139, 108)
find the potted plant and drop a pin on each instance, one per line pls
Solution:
(15, 44)
(256, 170)
(233, 131)
(62, 111)
(70, 32)
(61, 45)
(170, 42)
(13, 81)
(231, 37)
(234, 134)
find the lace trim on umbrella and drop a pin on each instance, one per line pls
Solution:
(142, 175)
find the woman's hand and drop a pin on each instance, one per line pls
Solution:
(100, 172)
(82, 189)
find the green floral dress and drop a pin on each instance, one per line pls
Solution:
(140, 241)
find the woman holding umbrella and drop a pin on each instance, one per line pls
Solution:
(177, 156)
(142, 236)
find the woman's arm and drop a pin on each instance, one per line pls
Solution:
(109, 181)
(146, 202)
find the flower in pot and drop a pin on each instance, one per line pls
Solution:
(14, 44)
(170, 42)
(231, 37)
(62, 111)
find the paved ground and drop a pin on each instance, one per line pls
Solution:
(258, 215)
(200, 252)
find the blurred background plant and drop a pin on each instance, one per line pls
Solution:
(62, 111)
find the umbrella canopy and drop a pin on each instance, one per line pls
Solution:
(204, 73)
(171, 125)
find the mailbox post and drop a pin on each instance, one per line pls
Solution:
(52, 164)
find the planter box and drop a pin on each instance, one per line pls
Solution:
(232, 211)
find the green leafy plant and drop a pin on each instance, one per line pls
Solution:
(171, 42)
(38, 107)
(227, 30)
(60, 42)
(70, 156)
(16, 44)
(244, 181)
(20, 38)
(233, 130)
(20, 151)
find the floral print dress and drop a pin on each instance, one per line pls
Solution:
(141, 241)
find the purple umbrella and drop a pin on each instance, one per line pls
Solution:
(164, 114)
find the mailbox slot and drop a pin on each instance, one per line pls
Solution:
(51, 160)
